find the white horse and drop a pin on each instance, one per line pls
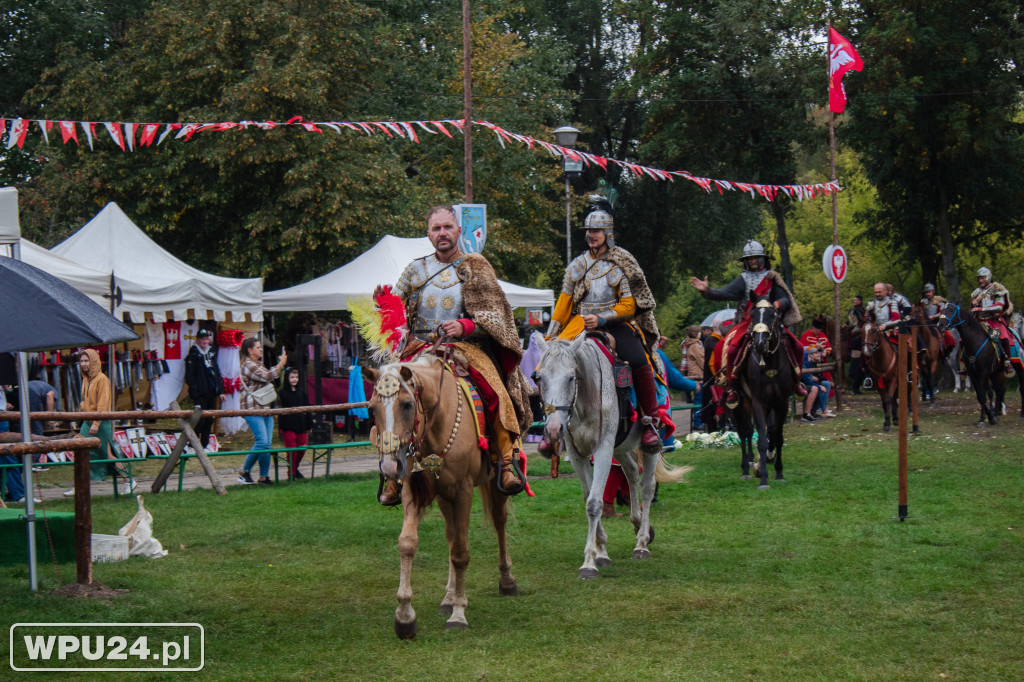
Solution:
(578, 389)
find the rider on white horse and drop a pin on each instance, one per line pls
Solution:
(605, 289)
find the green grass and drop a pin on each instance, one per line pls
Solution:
(812, 579)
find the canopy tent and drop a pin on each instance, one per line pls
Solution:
(153, 281)
(382, 264)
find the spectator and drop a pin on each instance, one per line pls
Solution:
(205, 384)
(15, 482)
(41, 397)
(707, 396)
(855, 318)
(96, 398)
(821, 387)
(254, 377)
(294, 427)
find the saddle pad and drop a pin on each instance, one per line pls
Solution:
(469, 390)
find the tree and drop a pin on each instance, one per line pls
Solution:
(933, 118)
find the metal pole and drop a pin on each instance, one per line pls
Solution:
(26, 467)
(467, 101)
(568, 227)
(26, 460)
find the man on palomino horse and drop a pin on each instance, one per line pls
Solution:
(932, 306)
(605, 289)
(758, 280)
(457, 295)
(991, 303)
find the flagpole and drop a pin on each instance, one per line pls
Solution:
(840, 374)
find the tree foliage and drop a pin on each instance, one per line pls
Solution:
(934, 124)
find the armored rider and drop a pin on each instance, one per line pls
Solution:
(604, 289)
(756, 281)
(932, 305)
(883, 309)
(990, 303)
(456, 295)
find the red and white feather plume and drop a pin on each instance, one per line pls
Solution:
(382, 324)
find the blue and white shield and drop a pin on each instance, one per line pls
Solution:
(473, 221)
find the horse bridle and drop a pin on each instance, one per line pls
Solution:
(957, 313)
(762, 328)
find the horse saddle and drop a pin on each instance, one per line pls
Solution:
(623, 374)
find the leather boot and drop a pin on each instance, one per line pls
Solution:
(797, 363)
(608, 511)
(510, 483)
(647, 396)
(392, 495)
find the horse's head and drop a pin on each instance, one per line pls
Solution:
(556, 379)
(764, 327)
(949, 316)
(400, 390)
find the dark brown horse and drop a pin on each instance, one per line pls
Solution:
(880, 356)
(424, 430)
(981, 358)
(929, 352)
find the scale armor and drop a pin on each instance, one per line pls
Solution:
(435, 292)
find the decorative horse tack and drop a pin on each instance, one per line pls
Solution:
(387, 386)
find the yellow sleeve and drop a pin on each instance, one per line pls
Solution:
(563, 310)
(625, 309)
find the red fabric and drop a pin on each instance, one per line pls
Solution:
(842, 58)
(487, 394)
(294, 439)
(230, 338)
(334, 391)
(616, 482)
(998, 323)
(468, 326)
(172, 340)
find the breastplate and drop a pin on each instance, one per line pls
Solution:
(930, 309)
(603, 288)
(880, 309)
(753, 279)
(440, 299)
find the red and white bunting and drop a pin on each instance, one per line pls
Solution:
(124, 136)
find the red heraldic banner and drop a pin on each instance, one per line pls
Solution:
(172, 341)
(841, 58)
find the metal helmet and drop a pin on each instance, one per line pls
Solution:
(986, 273)
(753, 248)
(601, 217)
(929, 287)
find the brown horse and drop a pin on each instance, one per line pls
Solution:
(880, 358)
(424, 430)
(929, 352)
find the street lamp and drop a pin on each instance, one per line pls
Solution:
(566, 137)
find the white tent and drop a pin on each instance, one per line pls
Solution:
(382, 264)
(153, 281)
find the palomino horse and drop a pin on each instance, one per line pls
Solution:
(880, 356)
(984, 366)
(765, 383)
(929, 352)
(426, 437)
(578, 389)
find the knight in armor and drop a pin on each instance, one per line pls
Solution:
(456, 295)
(756, 281)
(990, 303)
(883, 309)
(932, 305)
(604, 289)
(902, 302)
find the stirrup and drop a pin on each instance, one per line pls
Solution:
(514, 465)
(731, 399)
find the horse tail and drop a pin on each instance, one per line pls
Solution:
(491, 502)
(666, 473)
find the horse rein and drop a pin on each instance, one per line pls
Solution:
(957, 313)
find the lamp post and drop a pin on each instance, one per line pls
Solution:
(566, 137)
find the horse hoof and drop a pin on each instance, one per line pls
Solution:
(603, 561)
(641, 554)
(746, 477)
(780, 479)
(511, 591)
(587, 573)
(886, 428)
(764, 486)
(405, 630)
(455, 625)
(981, 424)
(445, 610)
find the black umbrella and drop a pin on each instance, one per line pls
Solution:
(40, 312)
